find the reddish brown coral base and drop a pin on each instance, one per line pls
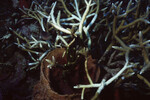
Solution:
(57, 83)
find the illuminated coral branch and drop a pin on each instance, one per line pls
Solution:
(125, 27)
(101, 85)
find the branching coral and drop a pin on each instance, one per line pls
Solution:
(125, 30)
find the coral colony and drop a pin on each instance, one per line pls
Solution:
(116, 34)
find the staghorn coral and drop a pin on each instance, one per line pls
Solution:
(114, 33)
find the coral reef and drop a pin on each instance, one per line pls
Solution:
(79, 47)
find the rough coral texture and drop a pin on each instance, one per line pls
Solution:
(57, 83)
